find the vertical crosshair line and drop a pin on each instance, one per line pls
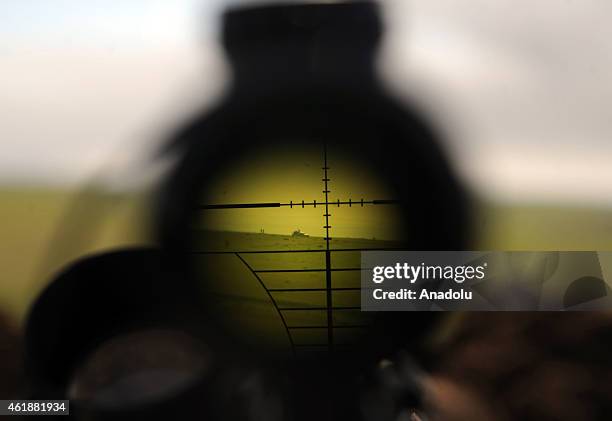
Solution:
(328, 280)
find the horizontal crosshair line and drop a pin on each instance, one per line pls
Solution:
(292, 251)
(333, 327)
(336, 345)
(314, 289)
(309, 270)
(298, 204)
(316, 308)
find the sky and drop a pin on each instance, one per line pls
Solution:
(522, 90)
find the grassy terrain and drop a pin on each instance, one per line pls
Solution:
(43, 229)
(242, 298)
(248, 310)
(500, 227)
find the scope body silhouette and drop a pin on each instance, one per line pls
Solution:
(302, 74)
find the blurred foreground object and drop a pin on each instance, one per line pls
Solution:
(12, 383)
(304, 79)
(136, 333)
(524, 365)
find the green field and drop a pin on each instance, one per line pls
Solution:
(43, 229)
(240, 295)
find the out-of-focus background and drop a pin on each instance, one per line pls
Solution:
(88, 90)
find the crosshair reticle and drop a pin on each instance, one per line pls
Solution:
(329, 309)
